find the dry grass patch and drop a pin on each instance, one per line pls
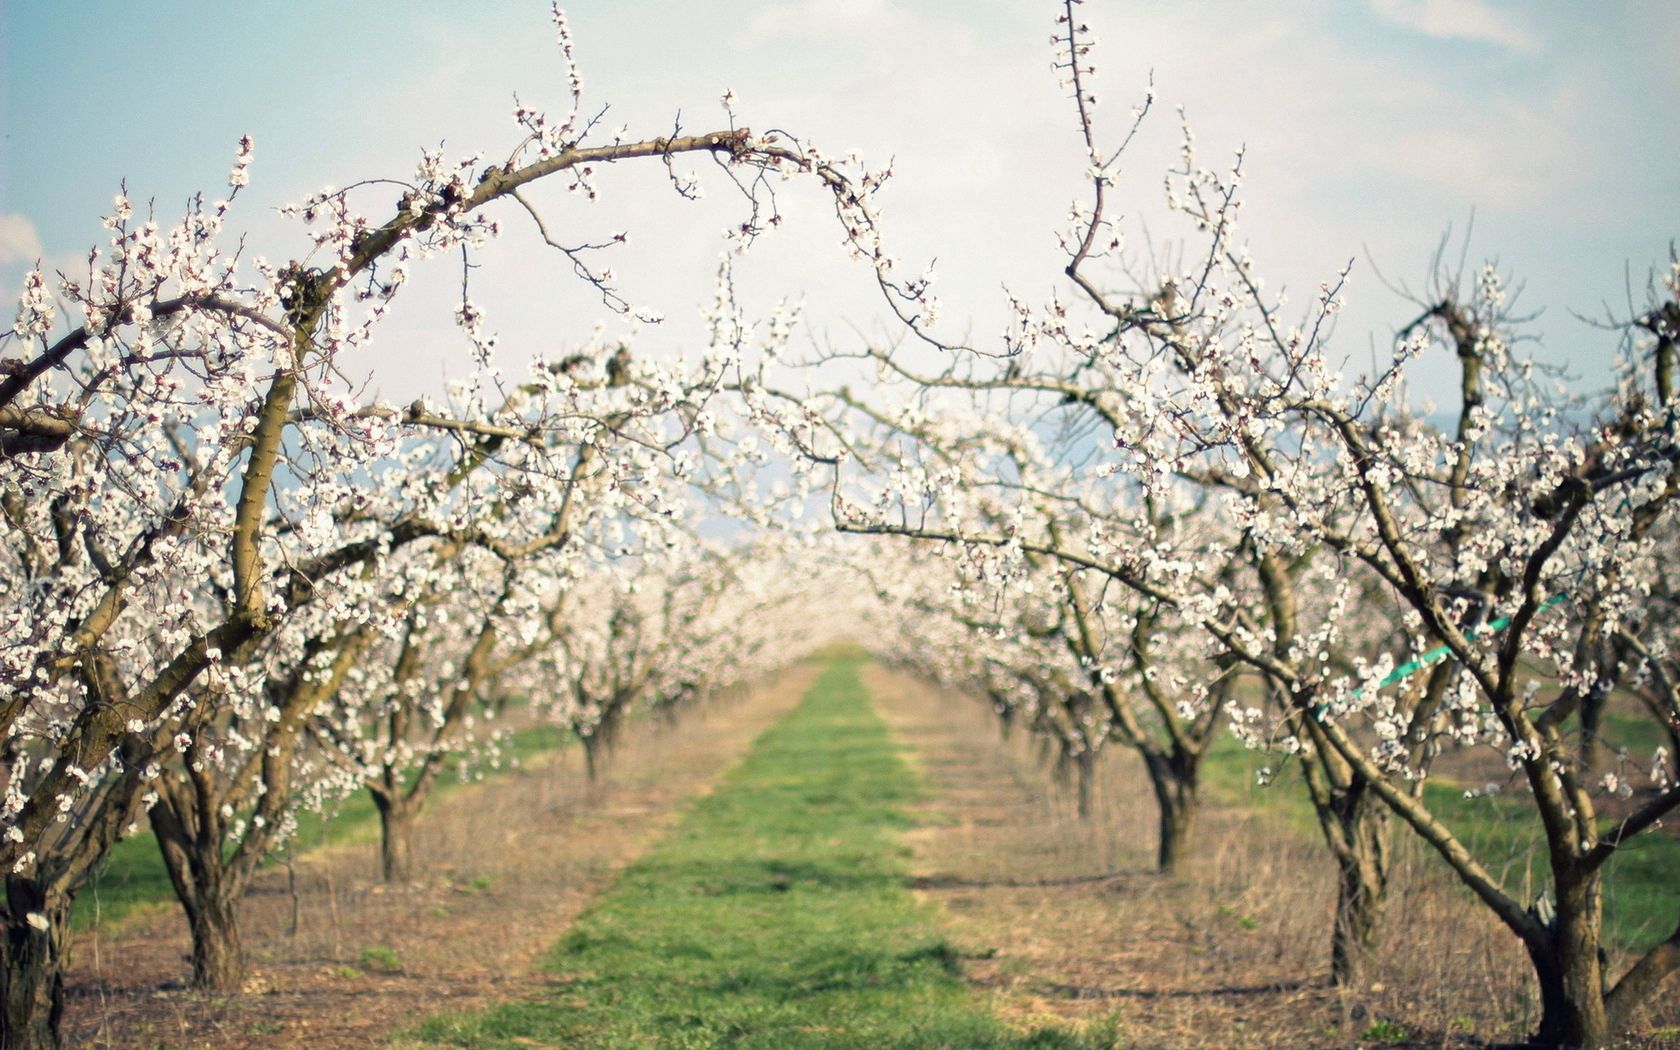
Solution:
(508, 865)
(1063, 918)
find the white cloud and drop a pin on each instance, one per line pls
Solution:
(19, 241)
(1458, 20)
(1511, 155)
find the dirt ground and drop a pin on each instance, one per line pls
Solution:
(1055, 918)
(508, 863)
(1060, 918)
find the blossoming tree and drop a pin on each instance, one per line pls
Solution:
(1403, 588)
(176, 466)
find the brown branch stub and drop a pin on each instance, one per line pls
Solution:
(34, 430)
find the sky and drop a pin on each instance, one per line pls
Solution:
(1372, 129)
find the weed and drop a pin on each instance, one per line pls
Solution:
(380, 959)
(1238, 919)
(1384, 1031)
(1107, 1032)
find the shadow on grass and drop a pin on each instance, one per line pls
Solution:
(1115, 879)
(1225, 991)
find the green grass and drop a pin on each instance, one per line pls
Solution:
(380, 959)
(1641, 891)
(1637, 731)
(774, 916)
(1383, 1031)
(133, 879)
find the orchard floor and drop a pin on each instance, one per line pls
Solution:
(508, 865)
(1053, 924)
(1064, 919)
(776, 915)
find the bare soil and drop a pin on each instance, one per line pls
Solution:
(509, 864)
(1058, 918)
(1055, 918)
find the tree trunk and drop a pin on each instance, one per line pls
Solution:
(1086, 767)
(1360, 890)
(1175, 780)
(32, 972)
(218, 960)
(591, 768)
(1570, 970)
(208, 889)
(1360, 843)
(1177, 818)
(396, 837)
(1592, 723)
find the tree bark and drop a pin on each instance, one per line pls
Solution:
(396, 837)
(208, 890)
(1085, 766)
(218, 958)
(1570, 970)
(32, 971)
(1592, 726)
(1175, 779)
(1360, 841)
(591, 743)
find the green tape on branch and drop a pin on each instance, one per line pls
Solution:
(1441, 652)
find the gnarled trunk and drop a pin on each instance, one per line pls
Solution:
(1570, 970)
(1360, 891)
(35, 914)
(32, 972)
(208, 888)
(1085, 771)
(1357, 827)
(591, 758)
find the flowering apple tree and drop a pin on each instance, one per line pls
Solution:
(183, 473)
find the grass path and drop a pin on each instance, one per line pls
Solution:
(774, 916)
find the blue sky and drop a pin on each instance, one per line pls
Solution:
(1372, 126)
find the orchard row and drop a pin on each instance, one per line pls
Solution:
(1159, 510)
